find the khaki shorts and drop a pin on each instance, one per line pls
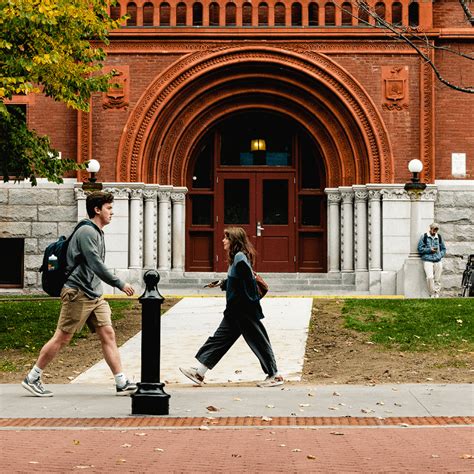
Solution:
(78, 309)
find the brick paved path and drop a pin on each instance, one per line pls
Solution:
(320, 449)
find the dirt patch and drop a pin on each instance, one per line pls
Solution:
(335, 354)
(78, 356)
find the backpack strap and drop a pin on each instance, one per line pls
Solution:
(78, 226)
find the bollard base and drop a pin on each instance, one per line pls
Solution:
(150, 399)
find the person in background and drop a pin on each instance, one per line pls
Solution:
(432, 250)
(242, 315)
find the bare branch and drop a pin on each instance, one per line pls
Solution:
(411, 36)
(467, 11)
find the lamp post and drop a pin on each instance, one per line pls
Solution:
(93, 167)
(415, 190)
(414, 285)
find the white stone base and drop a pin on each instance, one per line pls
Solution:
(413, 279)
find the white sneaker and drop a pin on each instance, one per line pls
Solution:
(192, 374)
(271, 381)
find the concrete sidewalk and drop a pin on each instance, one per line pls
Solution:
(293, 400)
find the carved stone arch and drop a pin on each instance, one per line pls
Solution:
(180, 141)
(169, 86)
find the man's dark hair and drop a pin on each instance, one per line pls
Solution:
(97, 199)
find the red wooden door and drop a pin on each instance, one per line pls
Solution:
(264, 205)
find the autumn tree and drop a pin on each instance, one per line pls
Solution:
(49, 47)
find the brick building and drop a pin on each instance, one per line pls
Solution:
(293, 119)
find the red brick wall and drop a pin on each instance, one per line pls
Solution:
(454, 111)
(449, 14)
(108, 124)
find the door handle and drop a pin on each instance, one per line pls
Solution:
(259, 229)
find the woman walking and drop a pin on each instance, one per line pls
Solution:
(242, 315)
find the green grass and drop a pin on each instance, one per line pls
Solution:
(27, 325)
(414, 325)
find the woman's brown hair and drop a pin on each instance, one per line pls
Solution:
(239, 242)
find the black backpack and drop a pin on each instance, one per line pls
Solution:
(54, 265)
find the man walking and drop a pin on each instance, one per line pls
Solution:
(432, 249)
(81, 298)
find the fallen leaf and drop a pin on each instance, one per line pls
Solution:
(83, 466)
(296, 450)
(266, 418)
(76, 442)
(140, 434)
(237, 399)
(305, 405)
(310, 394)
(212, 408)
(159, 450)
(467, 456)
(33, 462)
(398, 404)
(337, 433)
(121, 461)
(336, 394)
(310, 456)
(71, 378)
(126, 445)
(204, 428)
(333, 408)
(380, 403)
(236, 455)
(282, 445)
(270, 406)
(366, 410)
(434, 456)
(405, 425)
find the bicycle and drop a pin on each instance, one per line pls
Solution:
(467, 283)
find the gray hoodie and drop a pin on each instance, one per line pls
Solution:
(87, 246)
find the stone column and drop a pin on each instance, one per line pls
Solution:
(375, 241)
(150, 225)
(360, 231)
(135, 223)
(178, 240)
(347, 229)
(80, 196)
(164, 230)
(334, 198)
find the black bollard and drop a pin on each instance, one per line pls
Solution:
(150, 398)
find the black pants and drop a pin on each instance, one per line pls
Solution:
(230, 329)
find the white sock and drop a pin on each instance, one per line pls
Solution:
(201, 369)
(120, 379)
(35, 373)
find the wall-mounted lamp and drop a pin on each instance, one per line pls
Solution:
(93, 167)
(258, 144)
(415, 167)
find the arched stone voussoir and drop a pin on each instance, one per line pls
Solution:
(313, 66)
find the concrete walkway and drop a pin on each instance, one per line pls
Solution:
(293, 400)
(187, 325)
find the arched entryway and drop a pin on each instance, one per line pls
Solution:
(262, 171)
(189, 107)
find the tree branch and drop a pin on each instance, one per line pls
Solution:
(467, 11)
(410, 36)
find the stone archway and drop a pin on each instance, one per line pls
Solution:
(175, 110)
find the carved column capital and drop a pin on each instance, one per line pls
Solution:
(164, 196)
(361, 196)
(150, 195)
(334, 198)
(136, 194)
(347, 197)
(375, 195)
(178, 197)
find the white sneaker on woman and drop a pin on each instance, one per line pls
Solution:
(271, 381)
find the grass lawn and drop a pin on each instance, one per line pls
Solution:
(27, 324)
(414, 325)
